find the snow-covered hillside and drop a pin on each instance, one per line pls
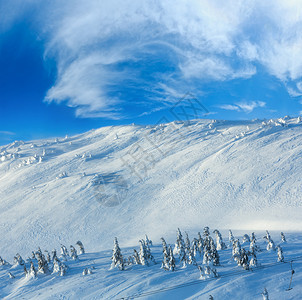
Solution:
(126, 181)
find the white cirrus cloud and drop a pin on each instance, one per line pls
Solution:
(243, 106)
(99, 46)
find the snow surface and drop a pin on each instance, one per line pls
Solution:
(152, 282)
(126, 181)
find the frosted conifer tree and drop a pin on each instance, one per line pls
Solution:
(253, 237)
(147, 241)
(280, 254)
(56, 265)
(195, 247)
(246, 239)
(117, 258)
(244, 259)
(207, 258)
(63, 269)
(54, 254)
(219, 242)
(236, 251)
(270, 242)
(25, 271)
(143, 256)
(32, 270)
(166, 258)
(265, 294)
(18, 260)
(191, 258)
(180, 248)
(231, 237)
(80, 244)
(149, 255)
(187, 244)
(254, 261)
(214, 254)
(136, 258)
(200, 243)
(73, 253)
(254, 247)
(171, 260)
(206, 231)
(283, 239)
(42, 263)
(64, 252)
(3, 262)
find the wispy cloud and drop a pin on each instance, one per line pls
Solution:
(99, 46)
(6, 132)
(243, 106)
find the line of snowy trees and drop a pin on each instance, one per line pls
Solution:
(46, 263)
(204, 246)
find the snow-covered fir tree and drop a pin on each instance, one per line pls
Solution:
(81, 246)
(200, 243)
(32, 270)
(253, 260)
(280, 254)
(231, 237)
(180, 248)
(283, 239)
(136, 258)
(25, 271)
(194, 247)
(18, 260)
(244, 259)
(219, 242)
(171, 260)
(56, 265)
(150, 257)
(191, 258)
(270, 242)
(54, 254)
(3, 262)
(165, 261)
(117, 258)
(148, 241)
(254, 247)
(63, 269)
(187, 244)
(246, 239)
(64, 253)
(143, 255)
(73, 253)
(42, 263)
(265, 294)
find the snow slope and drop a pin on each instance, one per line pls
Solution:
(152, 282)
(126, 181)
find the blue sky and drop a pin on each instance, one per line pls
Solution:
(70, 66)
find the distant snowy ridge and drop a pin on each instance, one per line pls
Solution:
(126, 181)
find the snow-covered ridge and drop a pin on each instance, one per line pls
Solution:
(128, 180)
